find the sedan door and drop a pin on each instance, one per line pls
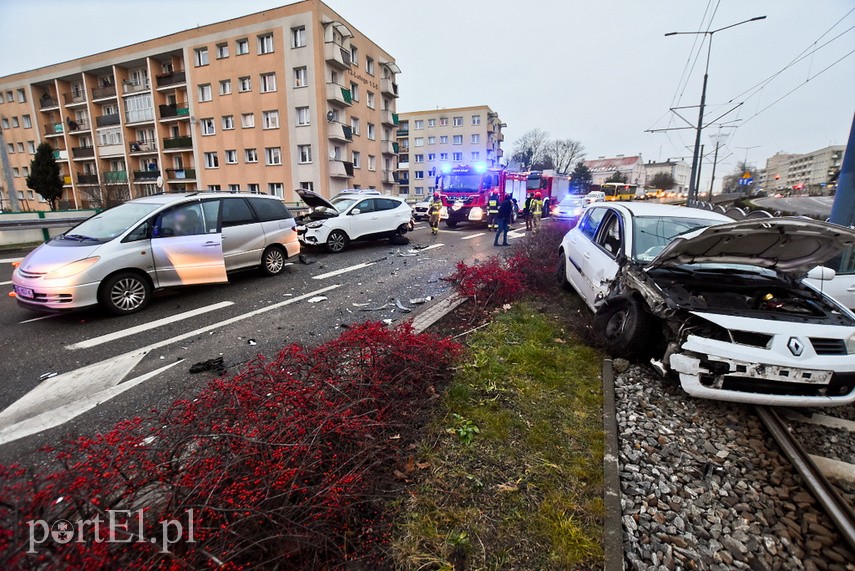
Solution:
(187, 247)
(579, 251)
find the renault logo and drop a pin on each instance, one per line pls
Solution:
(795, 346)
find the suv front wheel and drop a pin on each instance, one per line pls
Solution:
(337, 241)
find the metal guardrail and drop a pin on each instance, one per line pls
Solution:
(40, 223)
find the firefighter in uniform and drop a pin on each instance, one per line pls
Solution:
(536, 208)
(492, 211)
(434, 212)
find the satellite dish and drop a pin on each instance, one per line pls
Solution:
(330, 116)
(159, 182)
(332, 155)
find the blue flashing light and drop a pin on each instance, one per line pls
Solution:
(480, 167)
(446, 168)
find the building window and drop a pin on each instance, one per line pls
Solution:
(458, 121)
(265, 44)
(22, 96)
(253, 188)
(225, 86)
(372, 131)
(247, 120)
(5, 123)
(303, 116)
(242, 47)
(357, 161)
(11, 147)
(273, 156)
(205, 92)
(244, 84)
(354, 55)
(476, 119)
(300, 77)
(431, 123)
(208, 126)
(15, 122)
(25, 119)
(275, 189)
(476, 155)
(298, 37)
(420, 174)
(431, 156)
(234, 187)
(443, 139)
(354, 125)
(231, 156)
(307, 185)
(419, 124)
(457, 157)
(20, 147)
(431, 140)
(268, 82)
(15, 172)
(9, 97)
(443, 121)
(228, 122)
(369, 99)
(250, 156)
(443, 156)
(369, 65)
(211, 161)
(201, 56)
(354, 91)
(305, 153)
(458, 139)
(419, 158)
(214, 188)
(419, 142)
(432, 171)
(372, 163)
(222, 51)
(270, 119)
(476, 138)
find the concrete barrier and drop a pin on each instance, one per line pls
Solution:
(30, 227)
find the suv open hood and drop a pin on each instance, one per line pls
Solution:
(788, 245)
(314, 200)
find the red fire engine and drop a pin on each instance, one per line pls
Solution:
(466, 190)
(552, 187)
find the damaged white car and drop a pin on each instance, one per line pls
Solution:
(720, 305)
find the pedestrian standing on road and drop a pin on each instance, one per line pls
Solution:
(536, 208)
(527, 211)
(434, 212)
(503, 219)
(492, 210)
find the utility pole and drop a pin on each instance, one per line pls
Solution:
(714, 161)
(698, 179)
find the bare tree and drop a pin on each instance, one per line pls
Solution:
(565, 153)
(530, 148)
(112, 189)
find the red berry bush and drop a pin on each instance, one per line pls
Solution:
(286, 464)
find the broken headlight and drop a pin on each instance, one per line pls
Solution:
(316, 224)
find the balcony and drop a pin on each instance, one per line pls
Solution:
(180, 174)
(174, 110)
(388, 118)
(60, 155)
(173, 143)
(389, 177)
(48, 102)
(340, 132)
(336, 55)
(77, 126)
(405, 132)
(404, 165)
(107, 120)
(87, 179)
(388, 148)
(388, 87)
(341, 169)
(74, 98)
(53, 129)
(338, 94)
(112, 150)
(83, 152)
(146, 176)
(139, 115)
(142, 147)
(105, 92)
(116, 177)
(171, 79)
(129, 87)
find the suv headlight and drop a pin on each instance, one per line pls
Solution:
(71, 269)
(850, 344)
(317, 224)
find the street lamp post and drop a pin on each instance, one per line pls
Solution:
(693, 183)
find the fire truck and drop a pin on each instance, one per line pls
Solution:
(466, 189)
(552, 187)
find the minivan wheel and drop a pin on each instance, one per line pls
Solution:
(125, 293)
(272, 261)
(336, 241)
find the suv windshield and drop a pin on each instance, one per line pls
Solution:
(653, 233)
(109, 224)
(343, 203)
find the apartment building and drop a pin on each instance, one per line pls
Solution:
(603, 168)
(427, 140)
(678, 170)
(293, 97)
(812, 171)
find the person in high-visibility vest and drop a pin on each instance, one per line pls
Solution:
(434, 212)
(536, 208)
(492, 210)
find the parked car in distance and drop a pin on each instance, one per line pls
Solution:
(420, 210)
(119, 256)
(570, 208)
(595, 196)
(338, 222)
(719, 304)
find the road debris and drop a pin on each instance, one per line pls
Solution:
(317, 298)
(420, 300)
(216, 365)
(251, 342)
(402, 307)
(378, 308)
(304, 259)
(46, 376)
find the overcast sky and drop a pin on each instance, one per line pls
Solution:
(598, 71)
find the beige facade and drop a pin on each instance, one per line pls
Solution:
(679, 171)
(427, 140)
(603, 168)
(809, 171)
(270, 102)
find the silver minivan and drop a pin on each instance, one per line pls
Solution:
(118, 257)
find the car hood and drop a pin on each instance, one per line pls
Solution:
(788, 245)
(49, 257)
(314, 200)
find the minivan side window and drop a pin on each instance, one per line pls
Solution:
(236, 212)
(183, 220)
(211, 209)
(267, 209)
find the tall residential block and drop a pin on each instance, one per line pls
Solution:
(429, 140)
(293, 97)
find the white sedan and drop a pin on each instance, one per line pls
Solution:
(719, 304)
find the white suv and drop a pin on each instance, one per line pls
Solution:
(350, 217)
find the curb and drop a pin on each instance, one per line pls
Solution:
(436, 312)
(612, 530)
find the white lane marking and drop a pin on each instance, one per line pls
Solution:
(95, 341)
(516, 234)
(65, 410)
(49, 316)
(5, 283)
(10, 260)
(95, 384)
(342, 271)
(431, 247)
(473, 236)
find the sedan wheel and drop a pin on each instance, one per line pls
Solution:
(561, 272)
(125, 293)
(336, 241)
(625, 328)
